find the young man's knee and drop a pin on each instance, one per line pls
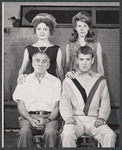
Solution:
(111, 134)
(68, 134)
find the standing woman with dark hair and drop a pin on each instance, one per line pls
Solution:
(82, 35)
(44, 25)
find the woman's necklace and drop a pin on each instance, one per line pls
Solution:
(43, 50)
(40, 48)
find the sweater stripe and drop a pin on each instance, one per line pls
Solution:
(81, 89)
(91, 95)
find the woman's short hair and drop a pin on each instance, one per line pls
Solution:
(46, 18)
(86, 18)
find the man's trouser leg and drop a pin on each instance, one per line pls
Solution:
(25, 137)
(71, 133)
(104, 135)
(51, 134)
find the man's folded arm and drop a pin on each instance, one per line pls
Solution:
(105, 109)
(23, 111)
(55, 113)
(65, 104)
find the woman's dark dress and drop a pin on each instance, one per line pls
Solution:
(51, 52)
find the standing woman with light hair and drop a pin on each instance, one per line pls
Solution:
(82, 34)
(44, 25)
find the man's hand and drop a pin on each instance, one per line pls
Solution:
(36, 124)
(43, 121)
(99, 122)
(21, 79)
(70, 74)
(71, 120)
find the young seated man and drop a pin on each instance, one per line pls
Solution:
(38, 104)
(85, 104)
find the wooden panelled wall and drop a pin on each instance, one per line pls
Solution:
(16, 39)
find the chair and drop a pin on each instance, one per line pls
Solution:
(83, 141)
(38, 141)
(87, 141)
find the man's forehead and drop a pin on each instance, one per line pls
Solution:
(84, 55)
(41, 56)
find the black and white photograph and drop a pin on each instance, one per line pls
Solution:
(61, 74)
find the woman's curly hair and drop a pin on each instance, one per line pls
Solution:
(83, 17)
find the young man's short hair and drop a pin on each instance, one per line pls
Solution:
(85, 50)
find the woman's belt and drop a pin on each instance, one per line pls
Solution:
(40, 112)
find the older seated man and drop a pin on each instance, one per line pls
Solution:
(85, 104)
(38, 104)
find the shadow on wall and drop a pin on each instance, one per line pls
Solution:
(53, 39)
(106, 73)
(13, 56)
(7, 30)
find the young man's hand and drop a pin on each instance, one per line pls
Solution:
(99, 122)
(71, 120)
